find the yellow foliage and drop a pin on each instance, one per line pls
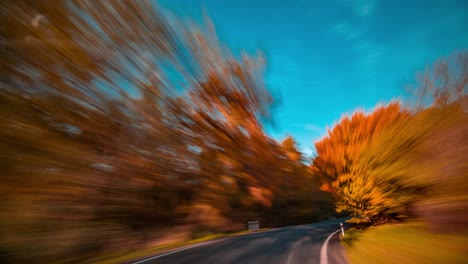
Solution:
(397, 163)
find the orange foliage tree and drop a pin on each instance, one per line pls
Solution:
(341, 148)
(382, 165)
(118, 122)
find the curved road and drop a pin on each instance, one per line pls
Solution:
(295, 244)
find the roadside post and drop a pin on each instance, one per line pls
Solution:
(342, 229)
(253, 226)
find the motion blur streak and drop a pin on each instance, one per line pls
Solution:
(397, 162)
(122, 129)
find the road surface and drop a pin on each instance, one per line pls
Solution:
(295, 244)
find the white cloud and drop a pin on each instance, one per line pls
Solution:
(358, 40)
(360, 8)
(347, 30)
(364, 8)
(310, 127)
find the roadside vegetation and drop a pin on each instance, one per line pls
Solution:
(124, 128)
(404, 162)
(405, 243)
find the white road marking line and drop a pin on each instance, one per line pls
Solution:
(324, 249)
(201, 244)
(175, 251)
(290, 257)
(293, 249)
(291, 252)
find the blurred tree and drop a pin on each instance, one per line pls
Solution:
(337, 152)
(383, 165)
(441, 84)
(424, 154)
(118, 121)
(95, 129)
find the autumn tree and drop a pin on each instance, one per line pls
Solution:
(384, 165)
(340, 149)
(421, 160)
(119, 123)
(109, 112)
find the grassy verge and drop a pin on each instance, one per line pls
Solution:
(128, 256)
(405, 243)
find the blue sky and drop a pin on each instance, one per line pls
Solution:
(329, 57)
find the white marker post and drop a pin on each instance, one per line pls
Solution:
(342, 229)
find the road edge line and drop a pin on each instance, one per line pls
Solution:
(324, 249)
(178, 250)
(201, 244)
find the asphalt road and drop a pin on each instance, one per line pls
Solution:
(295, 244)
